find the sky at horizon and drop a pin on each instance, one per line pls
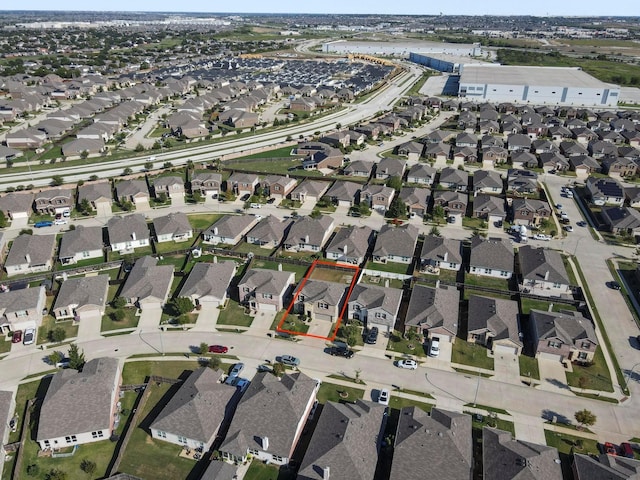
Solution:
(400, 7)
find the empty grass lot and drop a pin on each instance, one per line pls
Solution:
(329, 275)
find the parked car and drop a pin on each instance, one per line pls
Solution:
(626, 450)
(581, 223)
(372, 336)
(218, 349)
(16, 337)
(610, 449)
(60, 221)
(44, 223)
(542, 236)
(613, 285)
(407, 363)
(568, 228)
(383, 397)
(255, 205)
(29, 336)
(341, 352)
(290, 360)
(236, 370)
(434, 348)
(271, 200)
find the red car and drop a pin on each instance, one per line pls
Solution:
(218, 349)
(17, 336)
(610, 449)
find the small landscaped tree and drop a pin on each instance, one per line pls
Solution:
(57, 335)
(57, 180)
(119, 302)
(203, 348)
(85, 206)
(139, 148)
(585, 418)
(278, 369)
(214, 362)
(118, 315)
(182, 305)
(395, 182)
(438, 213)
(55, 357)
(76, 357)
(88, 466)
(397, 209)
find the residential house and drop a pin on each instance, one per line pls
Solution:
(134, 191)
(326, 159)
(522, 160)
(208, 283)
(438, 152)
(278, 187)
(493, 257)
(542, 272)
(433, 311)
(619, 167)
(439, 442)
(30, 254)
(632, 196)
(395, 244)
(377, 197)
(172, 186)
(217, 470)
(454, 179)
(344, 194)
(563, 336)
(209, 184)
(453, 203)
(487, 181)
(584, 165)
(615, 467)
(350, 245)
(17, 205)
(554, 162)
(527, 211)
(416, 200)
(489, 208)
(98, 194)
(309, 234)
(622, 220)
(56, 200)
(269, 418)
(345, 442)
(340, 139)
(229, 229)
(412, 150)
(269, 232)
(518, 142)
(359, 168)
(505, 458)
(494, 323)
(422, 174)
(390, 167)
(22, 309)
(523, 182)
(172, 227)
(311, 190)
(375, 306)
(128, 232)
(94, 395)
(30, 137)
(265, 290)
(147, 285)
(440, 252)
(605, 191)
(571, 149)
(82, 299)
(463, 155)
(243, 183)
(194, 414)
(83, 147)
(320, 300)
(83, 243)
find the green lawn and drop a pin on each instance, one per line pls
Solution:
(595, 376)
(177, 261)
(244, 247)
(260, 471)
(202, 221)
(167, 247)
(331, 392)
(263, 165)
(49, 323)
(489, 282)
(276, 153)
(370, 280)
(130, 320)
(136, 372)
(82, 263)
(488, 421)
(466, 353)
(529, 367)
(330, 275)
(567, 445)
(390, 267)
(234, 315)
(398, 344)
(401, 402)
(5, 344)
(445, 275)
(299, 270)
(526, 304)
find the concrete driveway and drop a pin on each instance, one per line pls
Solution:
(149, 318)
(553, 377)
(89, 329)
(207, 318)
(507, 368)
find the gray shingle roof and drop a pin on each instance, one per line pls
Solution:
(126, 228)
(346, 440)
(82, 239)
(230, 226)
(372, 296)
(398, 241)
(198, 408)
(272, 408)
(569, 326)
(266, 281)
(344, 191)
(453, 175)
(316, 290)
(605, 467)
(83, 291)
(505, 458)
(94, 191)
(351, 241)
(542, 264)
(270, 230)
(148, 280)
(489, 205)
(309, 230)
(494, 253)
(168, 181)
(38, 248)
(311, 187)
(130, 188)
(79, 402)
(16, 202)
(441, 249)
(175, 224)
(431, 307)
(20, 300)
(440, 443)
(487, 179)
(496, 315)
(209, 279)
(219, 470)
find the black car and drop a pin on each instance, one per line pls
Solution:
(341, 352)
(613, 285)
(372, 336)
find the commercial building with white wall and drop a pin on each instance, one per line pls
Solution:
(535, 86)
(402, 49)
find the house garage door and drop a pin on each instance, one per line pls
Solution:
(268, 307)
(505, 349)
(549, 356)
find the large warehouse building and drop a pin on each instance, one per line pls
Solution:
(402, 49)
(535, 85)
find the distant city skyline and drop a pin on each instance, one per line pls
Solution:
(399, 7)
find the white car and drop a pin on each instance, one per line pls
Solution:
(541, 236)
(409, 364)
(29, 336)
(434, 349)
(383, 397)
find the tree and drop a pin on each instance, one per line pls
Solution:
(119, 302)
(182, 305)
(435, 231)
(315, 213)
(84, 154)
(585, 417)
(57, 335)
(203, 348)
(118, 315)
(167, 165)
(76, 357)
(139, 148)
(57, 180)
(3, 219)
(33, 470)
(397, 209)
(197, 196)
(127, 171)
(278, 369)
(438, 213)
(55, 357)
(395, 182)
(85, 206)
(214, 362)
(161, 197)
(88, 467)
(93, 178)
(55, 474)
(148, 165)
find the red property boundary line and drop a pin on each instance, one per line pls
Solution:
(299, 289)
